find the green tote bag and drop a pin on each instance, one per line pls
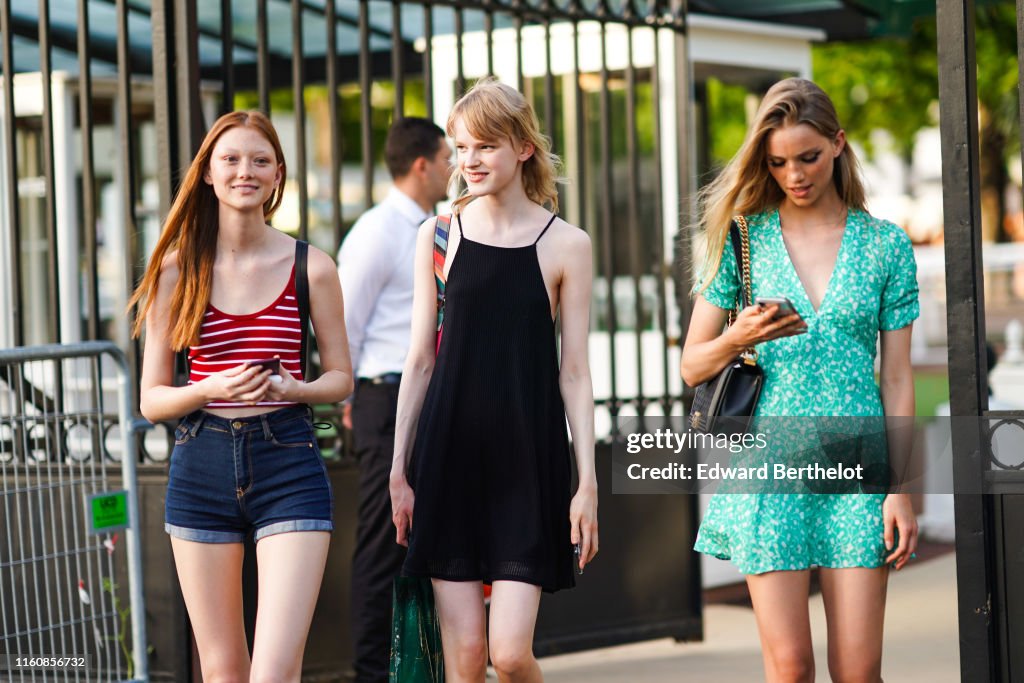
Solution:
(415, 634)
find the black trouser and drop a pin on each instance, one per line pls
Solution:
(378, 558)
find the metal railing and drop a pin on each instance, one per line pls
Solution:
(69, 517)
(146, 79)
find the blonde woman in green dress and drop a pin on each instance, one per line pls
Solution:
(852, 280)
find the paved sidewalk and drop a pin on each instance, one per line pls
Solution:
(921, 641)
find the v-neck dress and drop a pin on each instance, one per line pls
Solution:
(490, 466)
(829, 371)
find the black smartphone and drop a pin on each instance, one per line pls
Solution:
(272, 364)
(577, 551)
(786, 306)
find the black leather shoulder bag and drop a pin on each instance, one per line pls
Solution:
(725, 403)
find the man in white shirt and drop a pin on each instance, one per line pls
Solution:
(376, 264)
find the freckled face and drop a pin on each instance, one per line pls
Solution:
(488, 166)
(243, 171)
(801, 160)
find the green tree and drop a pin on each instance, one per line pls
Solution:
(892, 84)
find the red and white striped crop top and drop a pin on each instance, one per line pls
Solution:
(227, 340)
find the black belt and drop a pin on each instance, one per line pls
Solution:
(386, 378)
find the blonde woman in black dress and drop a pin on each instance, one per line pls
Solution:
(480, 485)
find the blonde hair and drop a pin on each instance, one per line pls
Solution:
(745, 185)
(494, 111)
(191, 229)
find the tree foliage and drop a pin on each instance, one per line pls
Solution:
(884, 84)
(891, 84)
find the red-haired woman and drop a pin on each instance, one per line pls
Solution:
(221, 284)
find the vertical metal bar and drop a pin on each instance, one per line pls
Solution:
(126, 154)
(54, 453)
(1020, 75)
(92, 302)
(57, 503)
(460, 76)
(606, 244)
(397, 65)
(489, 35)
(662, 272)
(298, 94)
(334, 113)
(262, 56)
(53, 262)
(979, 657)
(7, 496)
(549, 80)
(633, 208)
(520, 81)
(50, 215)
(365, 109)
(428, 58)
(162, 20)
(186, 68)
(580, 121)
(42, 589)
(75, 548)
(96, 455)
(11, 171)
(126, 407)
(227, 57)
(681, 71)
(20, 522)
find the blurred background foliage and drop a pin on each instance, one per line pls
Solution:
(891, 84)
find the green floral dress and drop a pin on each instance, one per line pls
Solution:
(829, 371)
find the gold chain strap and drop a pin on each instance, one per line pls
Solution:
(750, 352)
(741, 221)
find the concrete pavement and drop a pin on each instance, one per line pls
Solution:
(921, 643)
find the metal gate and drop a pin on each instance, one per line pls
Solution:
(989, 527)
(104, 103)
(71, 605)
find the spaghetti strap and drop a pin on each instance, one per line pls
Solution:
(553, 217)
(458, 218)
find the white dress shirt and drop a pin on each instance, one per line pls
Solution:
(376, 263)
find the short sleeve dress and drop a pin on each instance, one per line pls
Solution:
(829, 371)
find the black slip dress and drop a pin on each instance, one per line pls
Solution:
(490, 466)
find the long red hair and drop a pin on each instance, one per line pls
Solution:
(191, 229)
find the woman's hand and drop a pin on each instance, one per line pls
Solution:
(756, 324)
(240, 384)
(898, 514)
(402, 499)
(284, 387)
(583, 517)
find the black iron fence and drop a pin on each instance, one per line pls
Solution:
(105, 102)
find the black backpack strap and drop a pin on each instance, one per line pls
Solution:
(302, 298)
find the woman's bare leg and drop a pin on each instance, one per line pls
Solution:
(513, 617)
(855, 610)
(291, 567)
(784, 625)
(210, 575)
(460, 611)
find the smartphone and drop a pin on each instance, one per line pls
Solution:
(577, 551)
(786, 306)
(272, 364)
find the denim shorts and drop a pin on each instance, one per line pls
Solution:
(261, 474)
